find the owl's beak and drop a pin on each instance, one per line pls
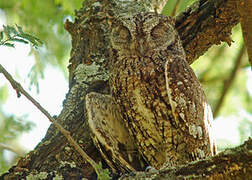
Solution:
(142, 50)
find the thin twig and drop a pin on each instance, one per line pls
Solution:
(228, 82)
(9, 148)
(66, 133)
(175, 8)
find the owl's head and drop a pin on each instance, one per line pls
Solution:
(143, 35)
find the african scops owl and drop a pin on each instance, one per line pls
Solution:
(162, 106)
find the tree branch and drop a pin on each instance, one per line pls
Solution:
(206, 23)
(175, 9)
(229, 81)
(19, 89)
(9, 148)
(235, 163)
(245, 10)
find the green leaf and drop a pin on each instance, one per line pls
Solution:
(12, 33)
(7, 32)
(20, 30)
(1, 35)
(19, 40)
(12, 29)
(9, 45)
(34, 41)
(103, 173)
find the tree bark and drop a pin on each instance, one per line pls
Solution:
(205, 23)
(235, 163)
(245, 10)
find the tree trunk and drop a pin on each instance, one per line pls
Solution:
(205, 23)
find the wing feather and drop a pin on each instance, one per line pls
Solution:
(186, 96)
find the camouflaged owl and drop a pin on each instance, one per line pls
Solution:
(157, 104)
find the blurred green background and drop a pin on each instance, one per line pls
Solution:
(223, 71)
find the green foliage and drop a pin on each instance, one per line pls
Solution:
(103, 173)
(11, 34)
(170, 5)
(3, 93)
(214, 69)
(46, 20)
(10, 128)
(68, 6)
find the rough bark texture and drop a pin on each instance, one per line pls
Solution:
(204, 24)
(245, 10)
(233, 163)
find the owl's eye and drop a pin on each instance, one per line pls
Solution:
(122, 33)
(159, 31)
(163, 32)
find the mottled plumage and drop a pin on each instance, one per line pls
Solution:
(110, 135)
(163, 104)
(159, 102)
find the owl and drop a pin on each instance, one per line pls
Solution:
(156, 114)
(162, 102)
